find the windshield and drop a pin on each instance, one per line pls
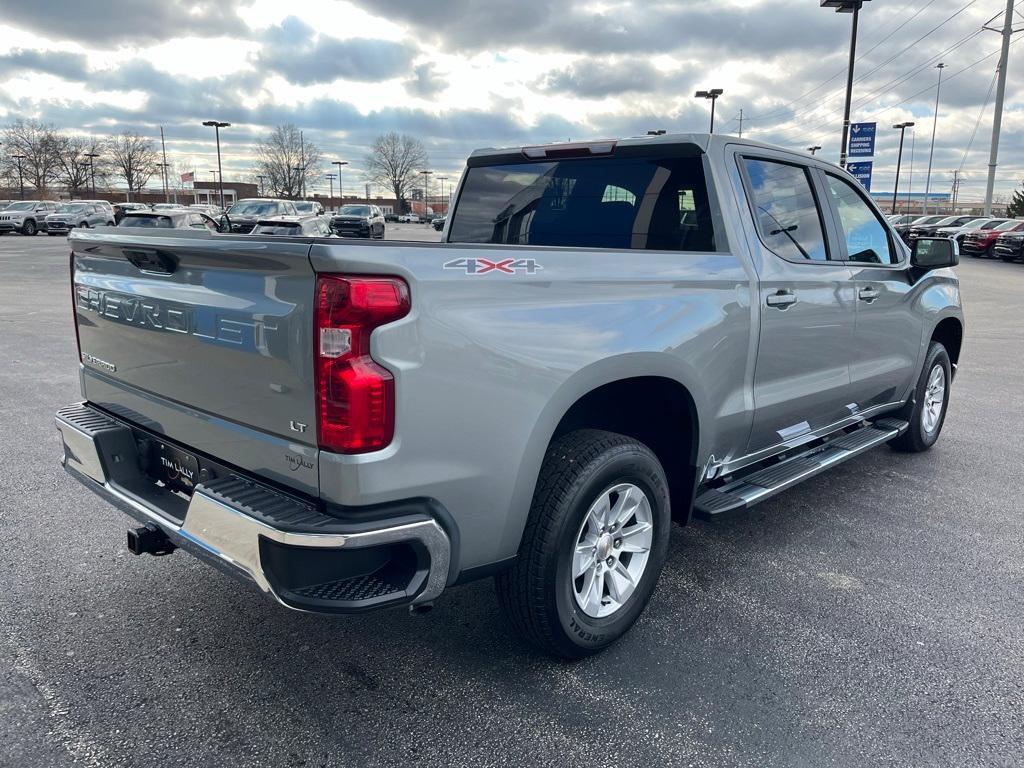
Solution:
(304, 207)
(973, 223)
(646, 202)
(355, 210)
(71, 209)
(926, 220)
(153, 222)
(278, 228)
(253, 208)
(26, 206)
(991, 224)
(1006, 226)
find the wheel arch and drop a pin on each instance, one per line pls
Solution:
(950, 333)
(622, 382)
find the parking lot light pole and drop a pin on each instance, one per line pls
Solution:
(899, 161)
(216, 125)
(92, 170)
(847, 6)
(813, 149)
(261, 178)
(931, 152)
(712, 94)
(21, 177)
(341, 191)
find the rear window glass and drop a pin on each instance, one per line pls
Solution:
(284, 228)
(154, 222)
(644, 203)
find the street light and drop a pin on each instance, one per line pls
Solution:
(261, 178)
(92, 170)
(426, 181)
(899, 160)
(216, 125)
(713, 94)
(21, 177)
(813, 149)
(847, 6)
(935, 123)
(341, 193)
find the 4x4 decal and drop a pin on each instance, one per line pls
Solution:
(476, 266)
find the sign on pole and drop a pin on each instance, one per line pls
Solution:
(861, 172)
(862, 140)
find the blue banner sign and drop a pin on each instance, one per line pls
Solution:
(861, 172)
(862, 140)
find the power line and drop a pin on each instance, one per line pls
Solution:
(977, 122)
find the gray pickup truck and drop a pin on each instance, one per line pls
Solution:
(611, 336)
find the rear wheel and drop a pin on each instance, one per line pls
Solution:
(594, 544)
(926, 412)
(84, 225)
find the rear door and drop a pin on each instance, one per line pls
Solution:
(888, 329)
(807, 304)
(205, 338)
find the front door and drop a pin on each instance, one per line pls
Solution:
(887, 336)
(807, 306)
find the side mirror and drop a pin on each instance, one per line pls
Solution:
(930, 253)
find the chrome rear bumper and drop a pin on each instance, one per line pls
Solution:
(262, 535)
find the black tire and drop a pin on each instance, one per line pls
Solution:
(29, 228)
(537, 592)
(917, 438)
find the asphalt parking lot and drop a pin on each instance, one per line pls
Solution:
(871, 617)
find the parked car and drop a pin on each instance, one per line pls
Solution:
(1010, 246)
(982, 242)
(438, 223)
(901, 219)
(167, 218)
(309, 208)
(106, 205)
(359, 221)
(27, 217)
(929, 230)
(294, 226)
(612, 335)
(243, 215)
(960, 232)
(903, 230)
(168, 206)
(391, 218)
(409, 218)
(5, 203)
(120, 209)
(78, 214)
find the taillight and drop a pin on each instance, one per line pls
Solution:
(355, 395)
(74, 303)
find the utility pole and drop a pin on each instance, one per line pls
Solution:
(931, 152)
(847, 6)
(367, 193)
(302, 163)
(741, 124)
(956, 189)
(261, 178)
(330, 180)
(997, 119)
(899, 161)
(426, 181)
(813, 149)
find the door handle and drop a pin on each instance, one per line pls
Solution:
(781, 299)
(867, 294)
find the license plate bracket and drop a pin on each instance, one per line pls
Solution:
(177, 469)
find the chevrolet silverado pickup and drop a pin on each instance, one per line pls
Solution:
(610, 336)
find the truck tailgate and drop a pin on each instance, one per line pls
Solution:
(204, 339)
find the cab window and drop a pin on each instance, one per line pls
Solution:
(867, 239)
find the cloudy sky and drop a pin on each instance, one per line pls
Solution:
(461, 74)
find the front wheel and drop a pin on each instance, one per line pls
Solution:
(29, 229)
(594, 545)
(926, 411)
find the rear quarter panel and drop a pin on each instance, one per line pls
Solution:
(487, 364)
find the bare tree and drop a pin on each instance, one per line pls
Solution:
(134, 160)
(75, 167)
(287, 162)
(34, 142)
(394, 162)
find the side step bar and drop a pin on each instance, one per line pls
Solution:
(745, 492)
